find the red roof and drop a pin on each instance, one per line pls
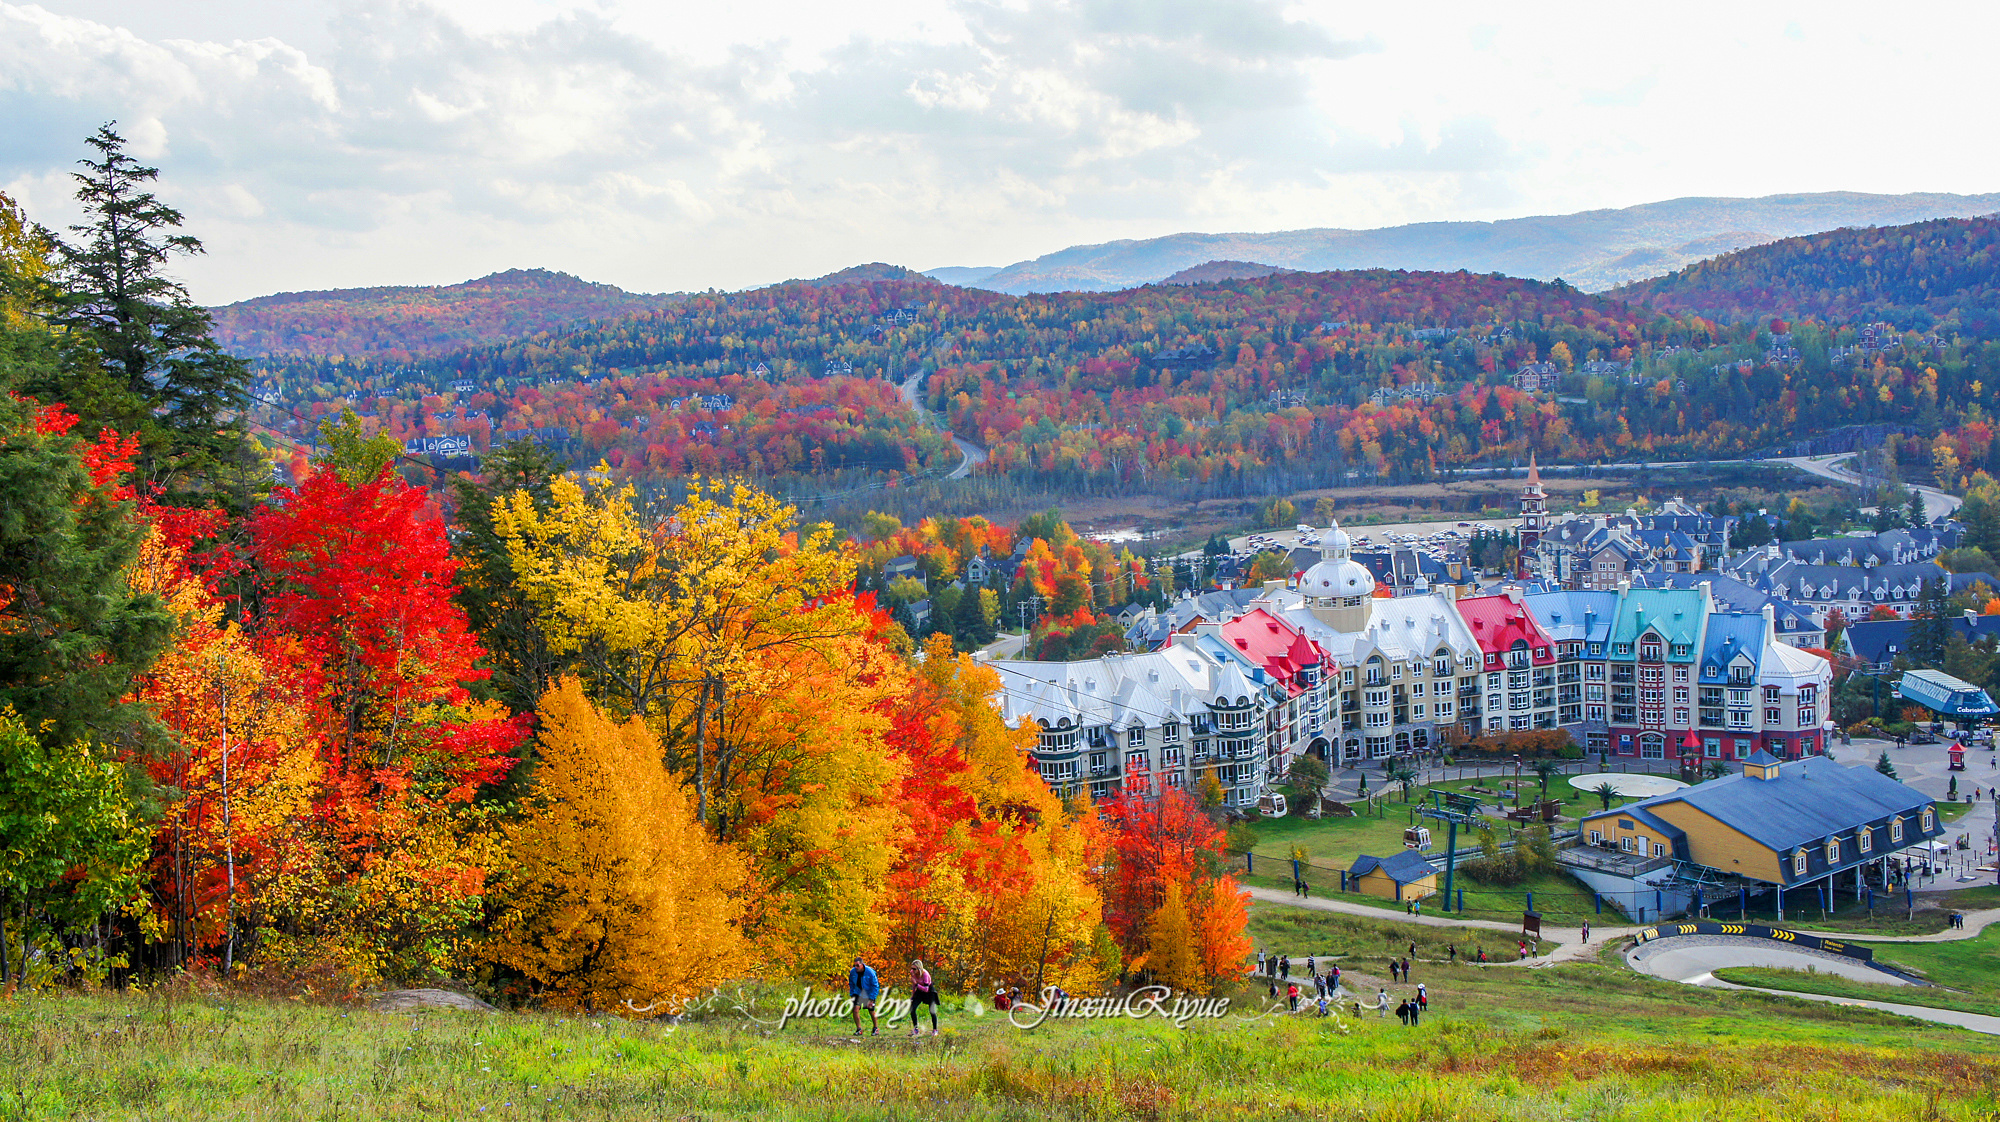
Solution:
(1500, 623)
(1273, 644)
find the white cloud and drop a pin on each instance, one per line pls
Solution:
(383, 141)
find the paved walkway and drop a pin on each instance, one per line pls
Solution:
(1559, 944)
(1693, 961)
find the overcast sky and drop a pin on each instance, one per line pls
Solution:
(665, 146)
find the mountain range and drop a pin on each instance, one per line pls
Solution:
(1593, 250)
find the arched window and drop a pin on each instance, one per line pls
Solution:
(1930, 820)
(1833, 851)
(1799, 862)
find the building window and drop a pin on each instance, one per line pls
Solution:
(1864, 839)
(1896, 830)
(1930, 820)
(1416, 712)
(1680, 718)
(1170, 757)
(1711, 747)
(1833, 851)
(1176, 779)
(1652, 747)
(1808, 694)
(1170, 734)
(1799, 863)
(1806, 715)
(1137, 738)
(1773, 715)
(1135, 761)
(1624, 743)
(1659, 850)
(1594, 671)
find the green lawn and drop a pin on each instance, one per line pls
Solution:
(1806, 981)
(1500, 1043)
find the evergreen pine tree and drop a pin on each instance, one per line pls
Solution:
(171, 382)
(1885, 767)
(1930, 625)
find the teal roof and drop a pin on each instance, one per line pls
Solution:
(1937, 690)
(1675, 613)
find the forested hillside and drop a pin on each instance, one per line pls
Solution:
(400, 322)
(1917, 274)
(1295, 379)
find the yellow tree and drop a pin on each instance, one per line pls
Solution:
(1171, 953)
(662, 616)
(614, 893)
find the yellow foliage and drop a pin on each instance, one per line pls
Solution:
(613, 893)
(1170, 951)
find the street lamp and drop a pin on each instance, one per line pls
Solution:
(1517, 779)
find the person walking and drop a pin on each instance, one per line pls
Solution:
(1453, 947)
(1260, 962)
(1285, 966)
(1312, 967)
(1292, 996)
(1403, 1013)
(1423, 997)
(1406, 970)
(865, 988)
(1335, 983)
(923, 991)
(1586, 931)
(1382, 1004)
(1416, 1010)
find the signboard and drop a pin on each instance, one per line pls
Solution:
(1531, 924)
(438, 446)
(1758, 931)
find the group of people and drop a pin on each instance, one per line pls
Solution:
(1411, 1008)
(864, 986)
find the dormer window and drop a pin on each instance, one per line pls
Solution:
(1896, 830)
(1799, 863)
(1833, 851)
(1864, 839)
(1930, 820)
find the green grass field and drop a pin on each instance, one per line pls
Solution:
(1586, 1040)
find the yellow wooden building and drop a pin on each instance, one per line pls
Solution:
(1406, 876)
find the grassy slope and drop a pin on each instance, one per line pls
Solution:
(1583, 1040)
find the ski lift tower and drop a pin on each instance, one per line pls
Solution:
(1451, 808)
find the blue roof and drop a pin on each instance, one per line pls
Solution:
(1574, 616)
(1950, 696)
(1407, 867)
(1730, 635)
(1809, 800)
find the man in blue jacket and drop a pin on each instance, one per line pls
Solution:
(864, 988)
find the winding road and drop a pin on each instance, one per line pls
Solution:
(972, 454)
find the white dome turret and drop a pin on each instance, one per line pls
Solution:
(1338, 576)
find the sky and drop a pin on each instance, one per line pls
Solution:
(674, 146)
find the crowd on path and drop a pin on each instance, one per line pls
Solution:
(1327, 994)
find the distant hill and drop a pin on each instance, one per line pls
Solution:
(1593, 250)
(1209, 271)
(1924, 271)
(870, 273)
(409, 321)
